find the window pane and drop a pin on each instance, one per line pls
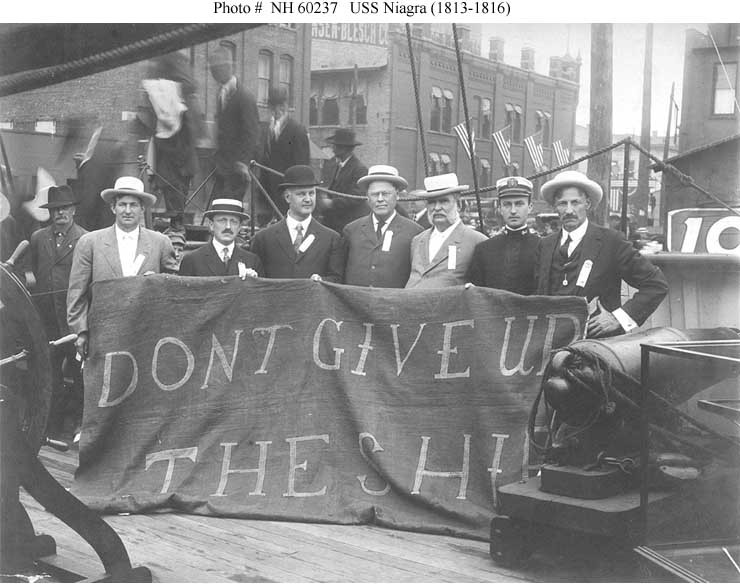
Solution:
(264, 75)
(724, 88)
(330, 112)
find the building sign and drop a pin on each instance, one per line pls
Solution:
(359, 33)
(710, 230)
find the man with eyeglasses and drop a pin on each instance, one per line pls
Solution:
(221, 256)
(378, 246)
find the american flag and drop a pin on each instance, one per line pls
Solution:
(462, 134)
(562, 154)
(535, 150)
(503, 143)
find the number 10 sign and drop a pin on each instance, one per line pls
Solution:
(704, 230)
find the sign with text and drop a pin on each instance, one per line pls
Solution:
(297, 400)
(703, 230)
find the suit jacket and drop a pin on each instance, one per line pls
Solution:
(344, 180)
(614, 259)
(424, 221)
(325, 256)
(51, 266)
(506, 262)
(367, 263)
(434, 273)
(237, 130)
(289, 149)
(206, 262)
(96, 258)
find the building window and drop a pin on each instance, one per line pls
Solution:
(330, 112)
(358, 110)
(514, 119)
(6, 125)
(484, 178)
(231, 48)
(434, 164)
(446, 166)
(447, 111)
(475, 116)
(543, 125)
(286, 76)
(313, 111)
(435, 120)
(485, 119)
(45, 126)
(264, 76)
(723, 101)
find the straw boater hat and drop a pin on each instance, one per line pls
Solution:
(440, 185)
(60, 197)
(298, 176)
(514, 187)
(129, 186)
(230, 206)
(382, 173)
(571, 179)
(343, 137)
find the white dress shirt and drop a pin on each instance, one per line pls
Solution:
(219, 247)
(385, 225)
(293, 226)
(127, 243)
(225, 92)
(437, 238)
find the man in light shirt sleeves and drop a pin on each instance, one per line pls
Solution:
(588, 260)
(440, 256)
(123, 249)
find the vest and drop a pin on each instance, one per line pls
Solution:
(565, 272)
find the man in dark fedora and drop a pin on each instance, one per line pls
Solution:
(440, 256)
(378, 246)
(123, 249)
(591, 261)
(341, 174)
(51, 253)
(299, 246)
(285, 145)
(506, 261)
(221, 256)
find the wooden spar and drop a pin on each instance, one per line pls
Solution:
(666, 147)
(419, 121)
(471, 145)
(625, 188)
(642, 195)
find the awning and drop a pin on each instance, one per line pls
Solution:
(509, 107)
(446, 159)
(548, 115)
(518, 110)
(434, 157)
(539, 114)
(436, 92)
(448, 94)
(485, 164)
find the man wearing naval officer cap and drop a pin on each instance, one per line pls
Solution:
(588, 260)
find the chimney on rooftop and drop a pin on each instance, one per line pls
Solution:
(528, 58)
(496, 49)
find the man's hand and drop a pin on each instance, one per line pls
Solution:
(82, 344)
(602, 324)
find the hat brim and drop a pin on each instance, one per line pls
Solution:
(58, 204)
(239, 214)
(442, 192)
(331, 140)
(147, 198)
(282, 186)
(395, 179)
(592, 188)
(515, 193)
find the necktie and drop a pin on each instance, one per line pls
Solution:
(298, 237)
(564, 247)
(379, 230)
(226, 257)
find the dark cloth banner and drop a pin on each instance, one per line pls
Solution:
(315, 402)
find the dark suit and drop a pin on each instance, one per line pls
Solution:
(325, 255)
(205, 262)
(614, 259)
(423, 221)
(506, 262)
(289, 149)
(237, 137)
(343, 180)
(367, 263)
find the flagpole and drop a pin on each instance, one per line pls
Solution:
(666, 147)
(471, 145)
(419, 119)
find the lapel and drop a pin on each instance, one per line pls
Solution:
(549, 245)
(110, 250)
(282, 234)
(591, 243)
(452, 240)
(212, 260)
(49, 243)
(368, 232)
(143, 247)
(424, 247)
(344, 171)
(312, 229)
(73, 234)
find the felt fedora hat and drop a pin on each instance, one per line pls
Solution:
(382, 173)
(129, 186)
(440, 185)
(298, 176)
(230, 206)
(277, 96)
(514, 187)
(571, 179)
(60, 197)
(343, 137)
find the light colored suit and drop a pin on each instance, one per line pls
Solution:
(437, 272)
(96, 258)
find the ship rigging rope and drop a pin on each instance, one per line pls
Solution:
(724, 69)
(419, 121)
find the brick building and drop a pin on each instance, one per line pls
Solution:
(361, 77)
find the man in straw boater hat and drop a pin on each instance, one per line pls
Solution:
(440, 256)
(298, 246)
(123, 249)
(221, 256)
(378, 246)
(341, 174)
(590, 261)
(506, 261)
(51, 252)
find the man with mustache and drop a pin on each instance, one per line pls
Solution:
(440, 256)
(588, 260)
(221, 256)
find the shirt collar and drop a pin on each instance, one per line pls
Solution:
(64, 231)
(230, 85)
(293, 223)
(386, 222)
(522, 230)
(219, 247)
(448, 231)
(344, 162)
(576, 235)
(122, 235)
